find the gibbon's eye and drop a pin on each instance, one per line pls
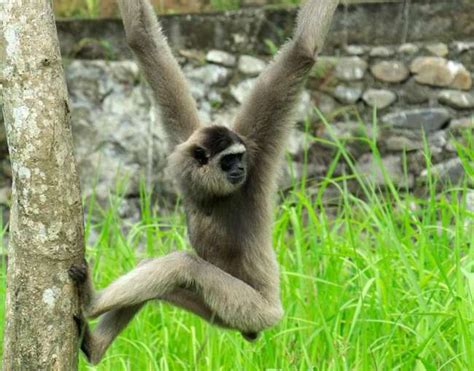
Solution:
(200, 155)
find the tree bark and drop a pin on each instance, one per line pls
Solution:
(46, 224)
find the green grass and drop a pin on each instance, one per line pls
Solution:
(383, 282)
(225, 4)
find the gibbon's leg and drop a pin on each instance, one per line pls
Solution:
(192, 302)
(144, 36)
(266, 115)
(94, 344)
(234, 302)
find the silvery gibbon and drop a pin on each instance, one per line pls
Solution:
(227, 178)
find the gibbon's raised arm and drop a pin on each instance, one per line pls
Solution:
(146, 39)
(265, 116)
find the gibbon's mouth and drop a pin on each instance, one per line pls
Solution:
(236, 177)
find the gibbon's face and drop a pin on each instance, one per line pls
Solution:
(212, 162)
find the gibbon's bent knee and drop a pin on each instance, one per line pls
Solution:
(268, 319)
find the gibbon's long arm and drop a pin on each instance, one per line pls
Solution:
(265, 116)
(146, 39)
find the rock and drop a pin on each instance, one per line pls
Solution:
(456, 99)
(252, 66)
(438, 139)
(221, 57)
(296, 142)
(416, 162)
(397, 143)
(428, 119)
(438, 71)
(355, 49)
(209, 74)
(215, 98)
(438, 49)
(292, 171)
(240, 91)
(304, 108)
(92, 85)
(347, 94)
(381, 52)
(348, 130)
(390, 71)
(198, 90)
(325, 103)
(408, 48)
(414, 93)
(204, 112)
(225, 116)
(409, 140)
(193, 55)
(462, 46)
(355, 136)
(451, 172)
(451, 146)
(379, 98)
(114, 139)
(371, 170)
(462, 123)
(350, 68)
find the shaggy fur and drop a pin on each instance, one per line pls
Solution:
(231, 279)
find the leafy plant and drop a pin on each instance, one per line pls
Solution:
(225, 4)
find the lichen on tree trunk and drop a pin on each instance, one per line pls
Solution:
(46, 226)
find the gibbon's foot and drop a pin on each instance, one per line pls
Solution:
(78, 273)
(250, 336)
(84, 334)
(86, 350)
(80, 323)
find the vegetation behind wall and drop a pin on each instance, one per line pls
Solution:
(108, 8)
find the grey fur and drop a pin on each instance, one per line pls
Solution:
(232, 277)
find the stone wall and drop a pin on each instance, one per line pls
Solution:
(247, 31)
(419, 87)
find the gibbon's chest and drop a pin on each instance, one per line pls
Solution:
(220, 236)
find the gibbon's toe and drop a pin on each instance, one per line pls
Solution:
(78, 273)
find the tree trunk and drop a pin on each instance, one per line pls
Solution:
(46, 225)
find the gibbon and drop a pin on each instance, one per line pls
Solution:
(227, 178)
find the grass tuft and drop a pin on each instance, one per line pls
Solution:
(383, 280)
